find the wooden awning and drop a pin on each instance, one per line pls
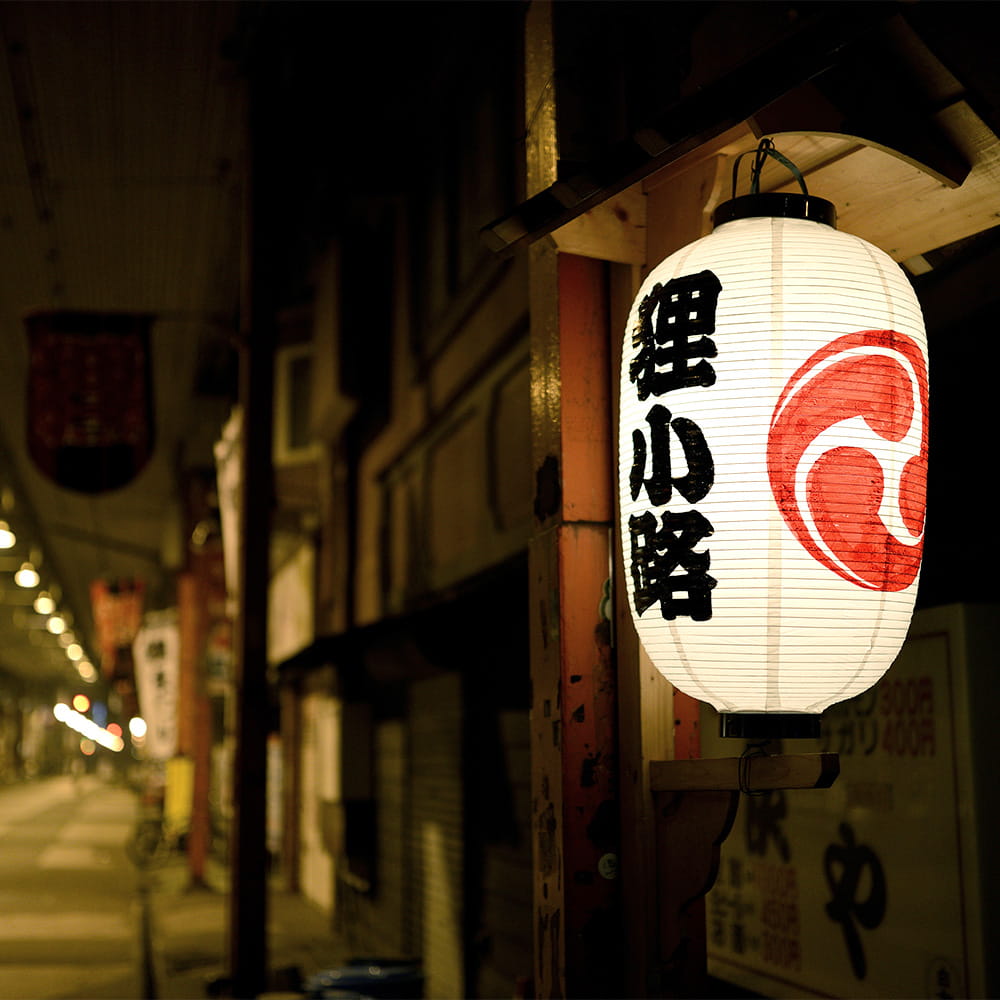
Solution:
(909, 167)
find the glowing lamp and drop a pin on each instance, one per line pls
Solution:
(772, 464)
(26, 576)
(7, 537)
(44, 603)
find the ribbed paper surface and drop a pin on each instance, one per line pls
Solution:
(803, 414)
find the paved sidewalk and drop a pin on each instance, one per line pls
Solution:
(188, 927)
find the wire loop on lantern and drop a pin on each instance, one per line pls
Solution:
(766, 148)
(773, 203)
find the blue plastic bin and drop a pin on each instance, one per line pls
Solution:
(370, 978)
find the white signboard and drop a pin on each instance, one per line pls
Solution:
(156, 652)
(868, 888)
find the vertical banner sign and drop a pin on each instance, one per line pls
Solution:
(156, 652)
(90, 408)
(772, 465)
(117, 607)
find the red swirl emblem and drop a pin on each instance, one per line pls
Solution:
(855, 409)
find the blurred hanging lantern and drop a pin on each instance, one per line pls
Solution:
(773, 461)
(90, 406)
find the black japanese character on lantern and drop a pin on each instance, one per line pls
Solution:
(675, 324)
(658, 551)
(659, 485)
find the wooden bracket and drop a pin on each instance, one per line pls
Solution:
(696, 804)
(804, 770)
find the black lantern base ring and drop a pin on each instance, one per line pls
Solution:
(769, 725)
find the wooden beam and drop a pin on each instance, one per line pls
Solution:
(896, 205)
(748, 773)
(614, 230)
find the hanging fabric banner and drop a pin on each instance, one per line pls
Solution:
(156, 652)
(90, 407)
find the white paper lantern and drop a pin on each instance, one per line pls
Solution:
(772, 464)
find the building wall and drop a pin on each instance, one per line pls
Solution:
(504, 940)
(377, 920)
(451, 877)
(320, 770)
(420, 404)
(435, 714)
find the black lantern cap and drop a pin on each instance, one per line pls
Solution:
(769, 725)
(776, 204)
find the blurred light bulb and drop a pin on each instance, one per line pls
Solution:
(26, 576)
(75, 651)
(7, 537)
(56, 624)
(44, 604)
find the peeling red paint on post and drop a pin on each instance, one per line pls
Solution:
(590, 768)
(687, 726)
(574, 708)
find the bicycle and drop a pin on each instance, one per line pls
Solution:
(153, 840)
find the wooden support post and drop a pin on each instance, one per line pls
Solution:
(574, 713)
(248, 898)
(656, 722)
(195, 734)
(696, 804)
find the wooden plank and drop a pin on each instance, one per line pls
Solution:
(898, 206)
(816, 770)
(614, 230)
(680, 205)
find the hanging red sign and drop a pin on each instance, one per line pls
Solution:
(118, 608)
(90, 407)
